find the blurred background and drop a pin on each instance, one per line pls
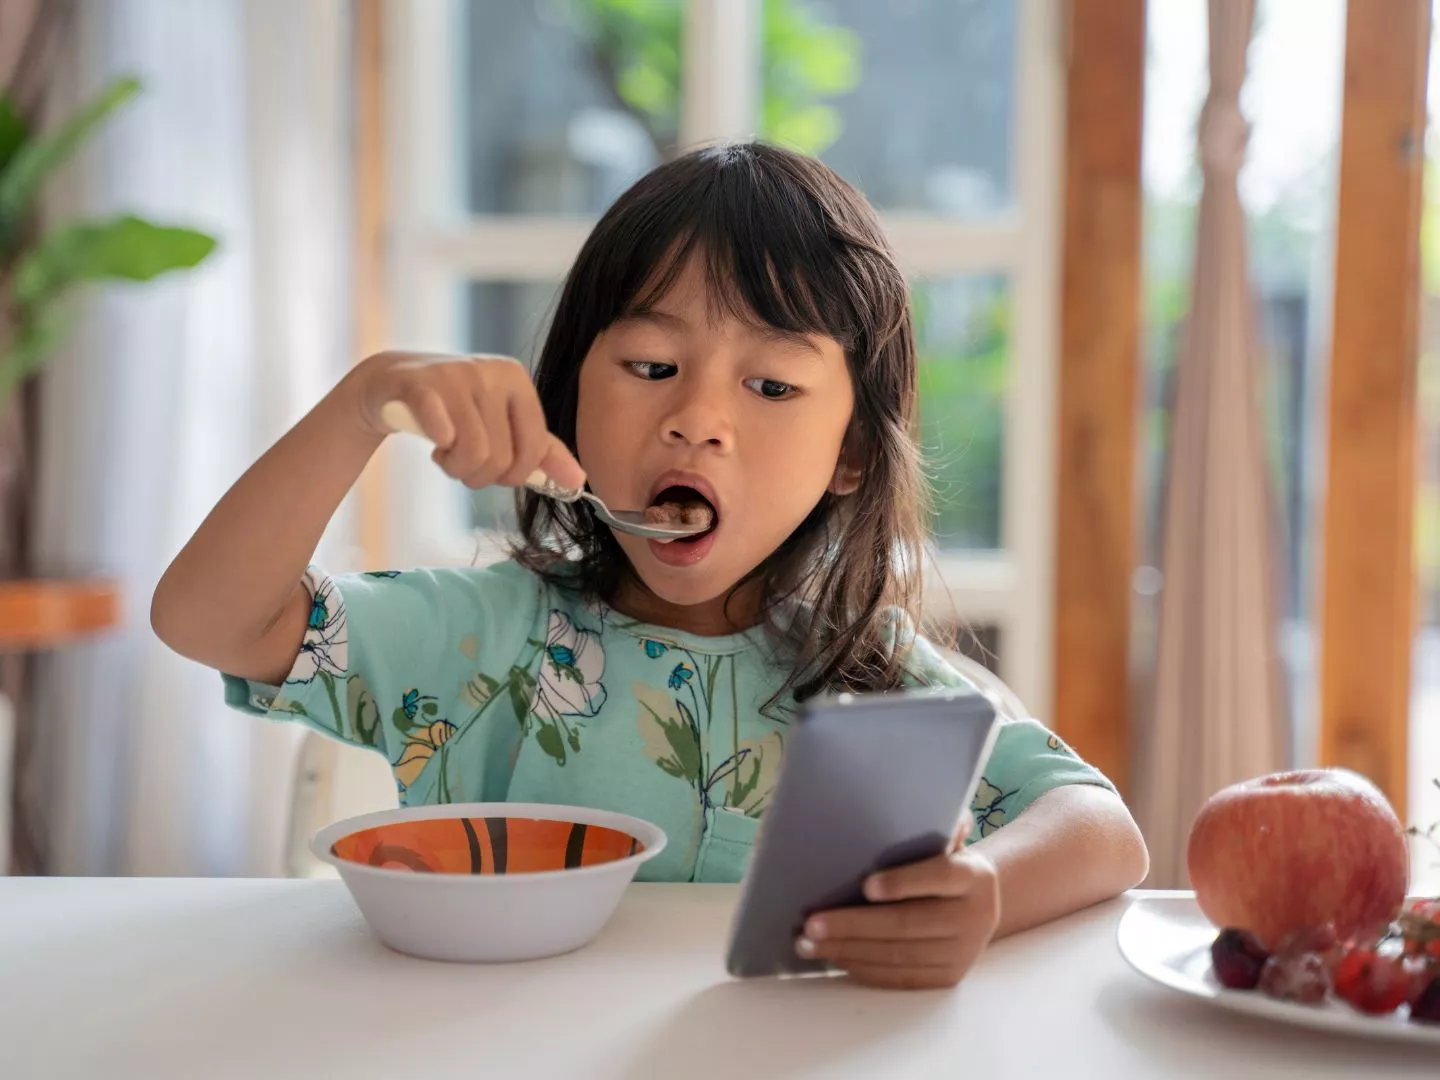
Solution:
(189, 261)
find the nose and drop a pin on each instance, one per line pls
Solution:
(699, 416)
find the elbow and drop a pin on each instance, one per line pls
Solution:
(1128, 857)
(166, 616)
(1118, 846)
(1133, 857)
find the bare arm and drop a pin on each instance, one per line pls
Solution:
(232, 599)
(1073, 847)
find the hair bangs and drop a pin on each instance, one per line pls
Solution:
(785, 278)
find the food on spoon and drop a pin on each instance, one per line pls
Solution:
(1282, 852)
(680, 508)
(1238, 958)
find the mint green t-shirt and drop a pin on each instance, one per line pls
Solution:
(491, 685)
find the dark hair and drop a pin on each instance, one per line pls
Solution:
(785, 242)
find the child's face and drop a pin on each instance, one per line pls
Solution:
(755, 418)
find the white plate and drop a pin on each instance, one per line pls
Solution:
(1167, 939)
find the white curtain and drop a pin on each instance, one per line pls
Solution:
(1218, 714)
(165, 393)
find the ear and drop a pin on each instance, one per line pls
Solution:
(846, 480)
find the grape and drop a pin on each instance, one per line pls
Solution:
(1237, 958)
(1294, 976)
(1320, 940)
(1425, 1008)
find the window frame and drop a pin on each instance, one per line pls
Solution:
(433, 251)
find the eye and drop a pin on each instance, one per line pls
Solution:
(772, 389)
(650, 370)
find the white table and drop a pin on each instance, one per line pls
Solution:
(173, 978)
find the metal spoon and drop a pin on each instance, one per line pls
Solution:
(399, 417)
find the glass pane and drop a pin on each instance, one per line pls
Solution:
(509, 318)
(565, 102)
(962, 327)
(1292, 97)
(912, 101)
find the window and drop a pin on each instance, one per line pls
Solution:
(514, 125)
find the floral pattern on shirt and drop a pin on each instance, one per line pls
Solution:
(487, 685)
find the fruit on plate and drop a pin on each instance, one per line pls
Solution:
(1419, 923)
(1298, 849)
(1300, 977)
(1373, 980)
(1320, 940)
(1237, 958)
(1376, 971)
(1425, 1006)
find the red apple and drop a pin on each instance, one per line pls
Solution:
(1298, 849)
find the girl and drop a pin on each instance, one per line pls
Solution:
(735, 335)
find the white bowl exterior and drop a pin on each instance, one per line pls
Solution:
(545, 918)
(491, 918)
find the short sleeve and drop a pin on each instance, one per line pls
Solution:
(391, 659)
(1027, 761)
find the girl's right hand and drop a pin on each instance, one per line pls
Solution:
(481, 412)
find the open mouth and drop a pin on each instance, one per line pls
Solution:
(679, 506)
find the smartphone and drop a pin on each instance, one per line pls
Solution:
(868, 782)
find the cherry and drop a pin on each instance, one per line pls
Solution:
(1237, 958)
(1372, 981)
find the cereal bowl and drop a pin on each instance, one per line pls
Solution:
(488, 882)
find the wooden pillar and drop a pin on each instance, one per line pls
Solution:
(371, 215)
(1367, 607)
(1099, 379)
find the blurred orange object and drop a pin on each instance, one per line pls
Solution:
(43, 614)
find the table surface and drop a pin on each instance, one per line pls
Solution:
(228, 978)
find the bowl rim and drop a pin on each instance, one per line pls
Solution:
(649, 834)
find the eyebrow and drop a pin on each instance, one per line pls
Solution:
(763, 331)
(792, 338)
(662, 319)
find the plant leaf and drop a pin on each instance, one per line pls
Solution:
(37, 158)
(125, 247)
(12, 132)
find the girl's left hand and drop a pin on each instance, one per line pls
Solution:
(927, 923)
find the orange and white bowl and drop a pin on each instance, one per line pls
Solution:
(488, 882)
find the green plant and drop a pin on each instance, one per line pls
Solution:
(39, 271)
(1430, 834)
(636, 47)
(962, 409)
